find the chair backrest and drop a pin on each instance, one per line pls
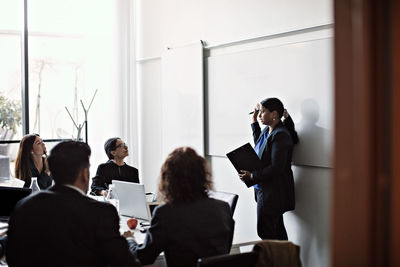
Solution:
(248, 259)
(227, 197)
(279, 253)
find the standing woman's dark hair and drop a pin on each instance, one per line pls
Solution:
(274, 104)
(22, 162)
(185, 176)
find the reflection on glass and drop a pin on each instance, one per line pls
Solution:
(10, 71)
(7, 160)
(71, 51)
(75, 47)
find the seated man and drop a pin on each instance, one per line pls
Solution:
(62, 226)
(115, 168)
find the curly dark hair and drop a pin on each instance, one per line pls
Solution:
(185, 176)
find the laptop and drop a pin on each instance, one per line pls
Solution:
(132, 199)
(9, 196)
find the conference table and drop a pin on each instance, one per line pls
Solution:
(139, 237)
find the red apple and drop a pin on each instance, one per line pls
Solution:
(132, 223)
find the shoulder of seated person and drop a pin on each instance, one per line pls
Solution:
(217, 201)
(102, 165)
(164, 208)
(99, 204)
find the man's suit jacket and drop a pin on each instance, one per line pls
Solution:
(62, 227)
(276, 178)
(188, 231)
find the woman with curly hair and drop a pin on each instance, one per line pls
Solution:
(190, 225)
(31, 161)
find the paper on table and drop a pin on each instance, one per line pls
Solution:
(12, 182)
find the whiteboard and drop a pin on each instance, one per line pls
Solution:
(300, 74)
(182, 93)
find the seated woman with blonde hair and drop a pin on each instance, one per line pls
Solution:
(31, 161)
(190, 225)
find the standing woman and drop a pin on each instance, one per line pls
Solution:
(273, 184)
(32, 161)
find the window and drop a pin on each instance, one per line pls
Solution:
(74, 49)
(11, 14)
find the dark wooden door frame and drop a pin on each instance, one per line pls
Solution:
(395, 142)
(366, 184)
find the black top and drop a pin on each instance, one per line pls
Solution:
(109, 171)
(276, 177)
(188, 231)
(44, 180)
(61, 227)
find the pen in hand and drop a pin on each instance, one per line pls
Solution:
(257, 109)
(252, 112)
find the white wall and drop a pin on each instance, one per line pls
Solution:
(169, 23)
(113, 112)
(176, 22)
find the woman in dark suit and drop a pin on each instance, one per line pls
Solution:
(190, 225)
(273, 184)
(115, 168)
(31, 161)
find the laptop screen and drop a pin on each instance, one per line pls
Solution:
(132, 199)
(9, 196)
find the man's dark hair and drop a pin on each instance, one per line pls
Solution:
(67, 159)
(110, 145)
(273, 104)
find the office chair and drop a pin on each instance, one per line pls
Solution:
(227, 197)
(248, 259)
(279, 253)
(3, 241)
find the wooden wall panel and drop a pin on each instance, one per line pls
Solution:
(366, 194)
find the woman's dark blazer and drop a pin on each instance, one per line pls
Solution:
(44, 180)
(188, 231)
(276, 177)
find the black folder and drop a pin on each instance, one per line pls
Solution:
(245, 158)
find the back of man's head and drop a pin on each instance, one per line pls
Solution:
(67, 159)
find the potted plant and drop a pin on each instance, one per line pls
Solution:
(10, 120)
